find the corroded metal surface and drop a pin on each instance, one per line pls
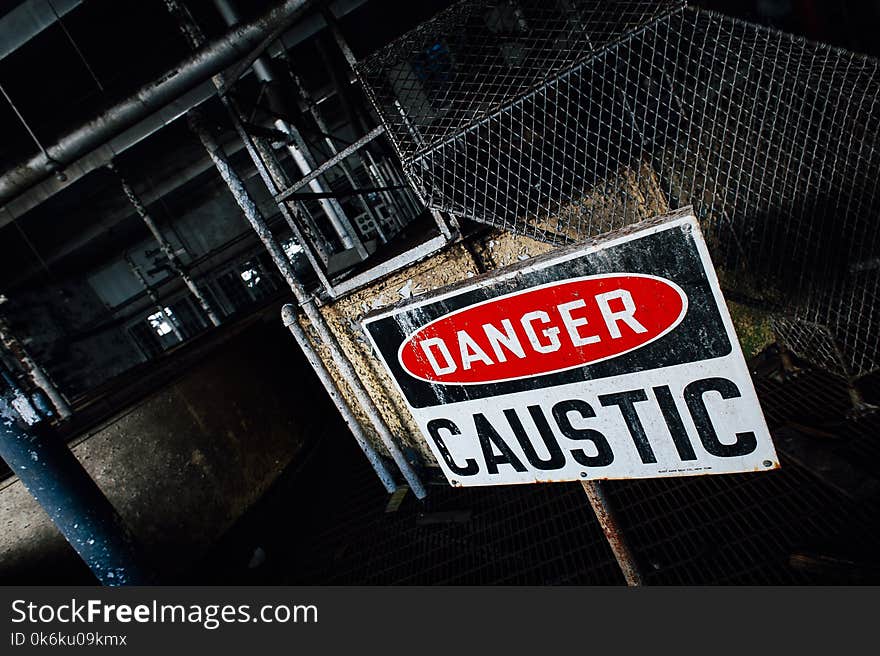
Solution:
(39, 377)
(68, 495)
(613, 532)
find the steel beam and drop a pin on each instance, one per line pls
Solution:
(330, 163)
(208, 61)
(166, 247)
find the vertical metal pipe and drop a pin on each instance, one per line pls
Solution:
(405, 188)
(36, 373)
(74, 503)
(413, 209)
(395, 209)
(261, 154)
(298, 148)
(448, 230)
(613, 532)
(331, 146)
(343, 365)
(389, 199)
(299, 220)
(288, 316)
(264, 162)
(151, 293)
(167, 249)
(342, 226)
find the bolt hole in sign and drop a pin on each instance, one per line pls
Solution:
(613, 360)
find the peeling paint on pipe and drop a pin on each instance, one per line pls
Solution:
(202, 65)
(74, 503)
(39, 377)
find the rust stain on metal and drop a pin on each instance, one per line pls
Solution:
(613, 532)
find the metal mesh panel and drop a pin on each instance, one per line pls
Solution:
(735, 529)
(563, 119)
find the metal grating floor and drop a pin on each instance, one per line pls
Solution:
(326, 523)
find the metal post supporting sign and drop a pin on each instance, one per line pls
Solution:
(612, 360)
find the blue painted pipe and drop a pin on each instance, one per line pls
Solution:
(56, 479)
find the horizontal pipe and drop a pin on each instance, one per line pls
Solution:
(100, 157)
(202, 65)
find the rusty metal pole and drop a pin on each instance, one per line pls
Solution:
(167, 249)
(36, 373)
(613, 532)
(306, 302)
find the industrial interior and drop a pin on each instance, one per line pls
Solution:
(201, 200)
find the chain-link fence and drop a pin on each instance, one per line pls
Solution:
(563, 119)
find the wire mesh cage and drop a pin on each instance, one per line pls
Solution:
(564, 119)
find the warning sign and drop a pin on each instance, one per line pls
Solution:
(615, 360)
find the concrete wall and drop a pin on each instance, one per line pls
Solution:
(184, 463)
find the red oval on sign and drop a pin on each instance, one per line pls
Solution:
(545, 329)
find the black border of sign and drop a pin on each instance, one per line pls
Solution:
(707, 308)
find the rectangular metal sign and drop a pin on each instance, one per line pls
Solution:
(614, 360)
